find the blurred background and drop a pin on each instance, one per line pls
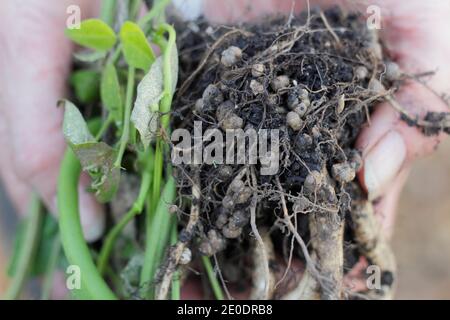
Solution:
(421, 240)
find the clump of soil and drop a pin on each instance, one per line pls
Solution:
(315, 78)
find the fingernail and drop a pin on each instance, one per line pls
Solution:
(383, 162)
(92, 215)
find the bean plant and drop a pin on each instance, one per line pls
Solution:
(117, 120)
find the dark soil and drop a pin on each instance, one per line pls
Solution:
(314, 84)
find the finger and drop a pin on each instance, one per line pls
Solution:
(390, 144)
(34, 72)
(386, 207)
(233, 11)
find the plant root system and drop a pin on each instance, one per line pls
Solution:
(314, 79)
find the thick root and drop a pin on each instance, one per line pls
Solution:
(374, 246)
(177, 250)
(327, 238)
(261, 290)
(308, 287)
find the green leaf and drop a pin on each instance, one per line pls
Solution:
(149, 93)
(89, 56)
(94, 34)
(75, 128)
(110, 92)
(85, 84)
(136, 49)
(97, 158)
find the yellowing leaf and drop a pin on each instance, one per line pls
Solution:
(97, 158)
(136, 49)
(75, 128)
(111, 93)
(94, 34)
(149, 93)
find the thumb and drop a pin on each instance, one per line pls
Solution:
(389, 144)
(35, 62)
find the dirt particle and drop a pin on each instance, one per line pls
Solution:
(244, 195)
(280, 82)
(300, 205)
(212, 95)
(198, 107)
(173, 208)
(301, 109)
(312, 182)
(212, 243)
(258, 70)
(225, 110)
(361, 72)
(225, 172)
(273, 100)
(236, 186)
(343, 172)
(238, 220)
(393, 71)
(221, 220)
(294, 121)
(232, 122)
(186, 256)
(231, 232)
(376, 86)
(228, 202)
(231, 56)
(256, 87)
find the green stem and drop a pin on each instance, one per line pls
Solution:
(176, 286)
(135, 209)
(155, 11)
(166, 101)
(104, 127)
(28, 251)
(165, 107)
(108, 10)
(126, 127)
(135, 5)
(156, 188)
(157, 232)
(212, 278)
(116, 54)
(50, 270)
(75, 247)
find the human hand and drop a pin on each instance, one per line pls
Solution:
(412, 34)
(35, 61)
